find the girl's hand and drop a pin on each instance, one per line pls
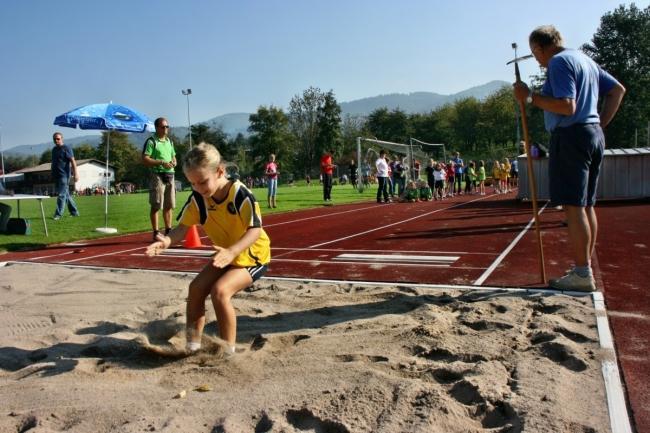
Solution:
(222, 257)
(157, 247)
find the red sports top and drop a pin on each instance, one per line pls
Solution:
(326, 164)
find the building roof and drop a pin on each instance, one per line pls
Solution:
(48, 166)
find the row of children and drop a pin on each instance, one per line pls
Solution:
(441, 177)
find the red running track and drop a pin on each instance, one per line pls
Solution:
(463, 241)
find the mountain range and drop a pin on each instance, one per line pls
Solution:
(235, 123)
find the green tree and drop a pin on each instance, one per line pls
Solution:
(621, 45)
(123, 155)
(328, 124)
(86, 151)
(242, 146)
(351, 128)
(466, 123)
(389, 125)
(445, 118)
(214, 136)
(497, 119)
(269, 128)
(13, 163)
(46, 156)
(303, 123)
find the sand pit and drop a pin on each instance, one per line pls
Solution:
(310, 357)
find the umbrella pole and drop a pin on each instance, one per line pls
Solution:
(108, 182)
(106, 229)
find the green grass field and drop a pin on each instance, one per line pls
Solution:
(129, 213)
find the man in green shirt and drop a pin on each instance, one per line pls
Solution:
(160, 156)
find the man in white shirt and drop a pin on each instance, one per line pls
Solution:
(382, 177)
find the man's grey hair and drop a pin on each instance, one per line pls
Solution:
(545, 36)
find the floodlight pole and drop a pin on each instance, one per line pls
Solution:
(187, 93)
(2, 159)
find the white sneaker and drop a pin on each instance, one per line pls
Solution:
(574, 282)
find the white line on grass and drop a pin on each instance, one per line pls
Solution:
(505, 252)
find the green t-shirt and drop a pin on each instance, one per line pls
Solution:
(425, 192)
(411, 194)
(481, 173)
(471, 174)
(163, 151)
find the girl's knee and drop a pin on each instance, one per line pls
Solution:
(220, 294)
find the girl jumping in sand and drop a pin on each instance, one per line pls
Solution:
(231, 218)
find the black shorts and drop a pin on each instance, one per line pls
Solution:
(256, 272)
(575, 158)
(440, 183)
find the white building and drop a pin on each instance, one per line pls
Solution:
(38, 180)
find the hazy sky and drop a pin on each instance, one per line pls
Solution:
(237, 54)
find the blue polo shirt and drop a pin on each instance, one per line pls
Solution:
(61, 157)
(574, 75)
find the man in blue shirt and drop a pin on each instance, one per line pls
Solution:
(62, 162)
(458, 174)
(569, 99)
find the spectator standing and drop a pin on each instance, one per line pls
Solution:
(63, 165)
(353, 173)
(159, 155)
(399, 177)
(458, 173)
(327, 169)
(514, 173)
(271, 171)
(382, 177)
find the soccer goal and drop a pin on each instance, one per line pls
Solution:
(413, 156)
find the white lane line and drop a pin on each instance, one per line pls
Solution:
(395, 258)
(460, 253)
(391, 264)
(318, 216)
(618, 416)
(104, 255)
(51, 255)
(397, 223)
(187, 252)
(505, 252)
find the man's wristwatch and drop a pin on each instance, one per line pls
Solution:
(529, 98)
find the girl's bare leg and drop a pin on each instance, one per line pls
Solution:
(231, 282)
(199, 290)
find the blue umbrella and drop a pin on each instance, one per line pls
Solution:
(105, 117)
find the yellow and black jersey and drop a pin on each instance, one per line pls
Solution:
(227, 221)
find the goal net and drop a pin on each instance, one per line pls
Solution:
(413, 156)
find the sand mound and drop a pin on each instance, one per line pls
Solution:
(75, 356)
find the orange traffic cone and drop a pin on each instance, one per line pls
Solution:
(192, 239)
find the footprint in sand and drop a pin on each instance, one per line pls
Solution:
(562, 355)
(304, 419)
